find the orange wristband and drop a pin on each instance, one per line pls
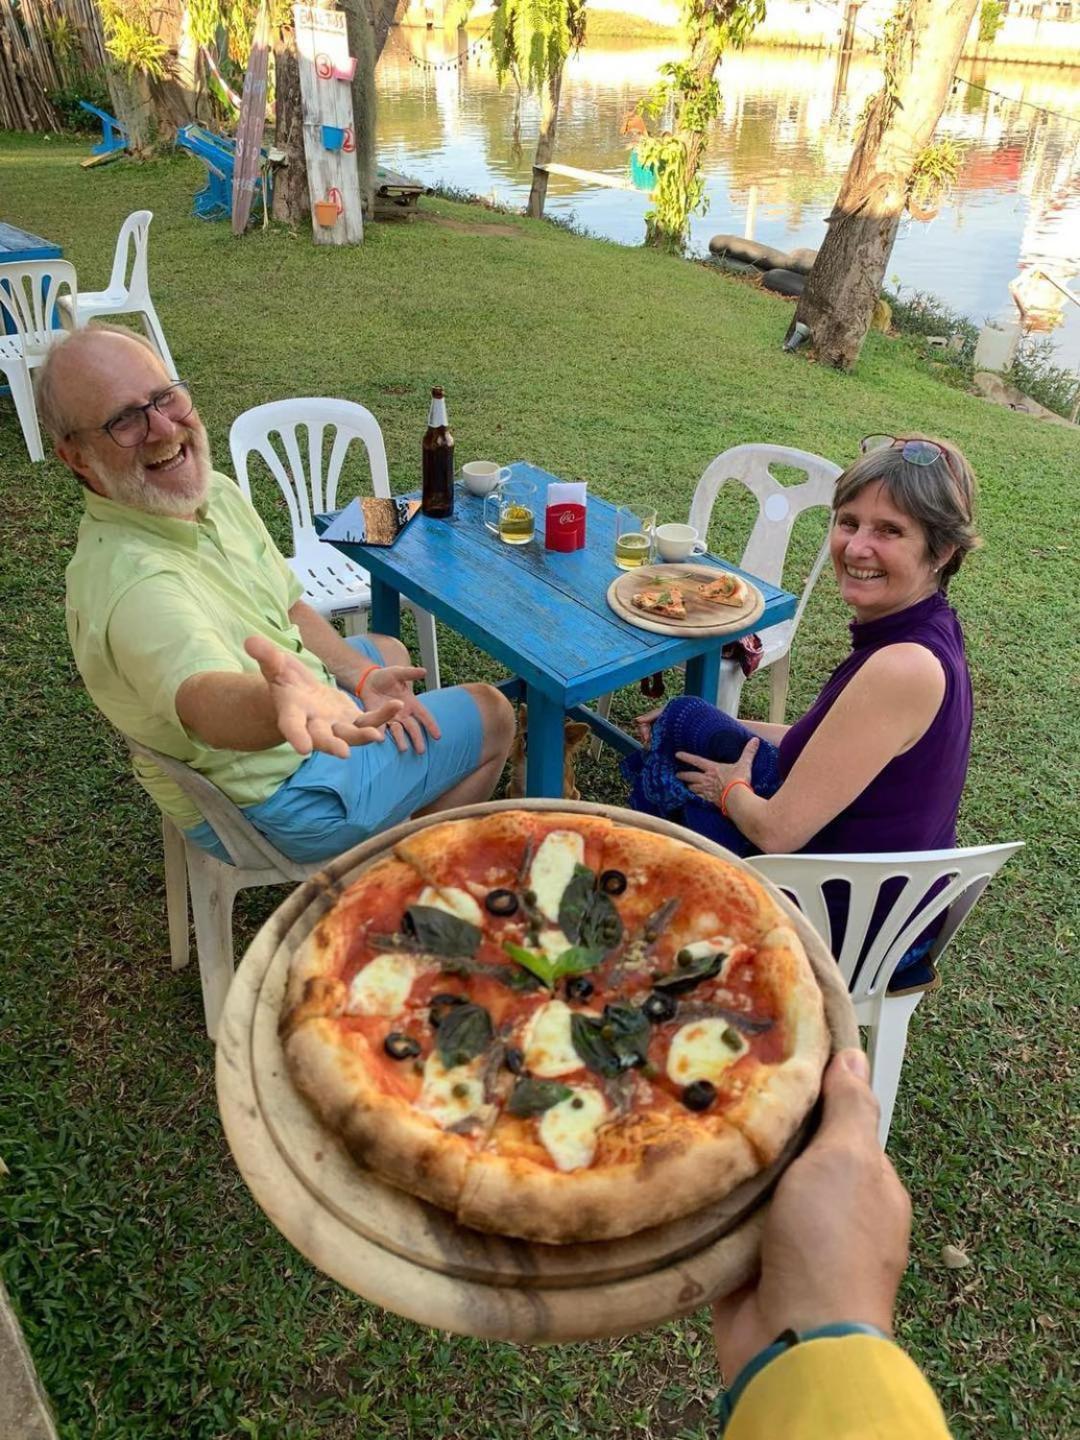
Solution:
(359, 691)
(727, 791)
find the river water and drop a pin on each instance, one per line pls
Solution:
(780, 145)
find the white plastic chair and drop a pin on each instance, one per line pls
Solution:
(125, 296)
(766, 549)
(886, 1016)
(30, 293)
(333, 585)
(213, 884)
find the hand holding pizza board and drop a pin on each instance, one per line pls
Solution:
(415, 1259)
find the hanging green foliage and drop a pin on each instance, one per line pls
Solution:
(130, 40)
(531, 40)
(688, 90)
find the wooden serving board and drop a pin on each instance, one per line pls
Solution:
(412, 1257)
(702, 618)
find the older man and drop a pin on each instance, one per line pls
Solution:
(188, 628)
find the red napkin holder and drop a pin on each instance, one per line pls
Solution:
(564, 519)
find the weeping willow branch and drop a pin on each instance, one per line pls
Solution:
(689, 89)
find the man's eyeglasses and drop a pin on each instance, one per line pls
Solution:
(915, 452)
(131, 426)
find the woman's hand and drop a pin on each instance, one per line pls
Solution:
(645, 723)
(395, 682)
(709, 778)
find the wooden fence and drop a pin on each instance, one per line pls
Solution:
(45, 45)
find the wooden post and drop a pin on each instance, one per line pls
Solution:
(322, 46)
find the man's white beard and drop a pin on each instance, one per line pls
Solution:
(141, 491)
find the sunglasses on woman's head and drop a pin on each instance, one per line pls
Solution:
(915, 452)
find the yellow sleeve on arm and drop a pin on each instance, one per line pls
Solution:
(856, 1387)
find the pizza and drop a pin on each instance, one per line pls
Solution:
(668, 601)
(556, 1026)
(726, 589)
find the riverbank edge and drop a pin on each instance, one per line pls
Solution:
(615, 25)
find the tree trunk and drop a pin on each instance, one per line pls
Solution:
(845, 281)
(360, 19)
(545, 146)
(131, 101)
(291, 200)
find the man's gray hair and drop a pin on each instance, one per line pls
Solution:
(941, 496)
(53, 396)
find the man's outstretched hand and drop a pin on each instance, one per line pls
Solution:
(395, 682)
(836, 1239)
(311, 715)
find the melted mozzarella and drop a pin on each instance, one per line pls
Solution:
(552, 942)
(382, 986)
(453, 901)
(451, 1095)
(552, 869)
(547, 1045)
(700, 948)
(568, 1129)
(703, 1050)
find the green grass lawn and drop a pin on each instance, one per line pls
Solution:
(156, 1297)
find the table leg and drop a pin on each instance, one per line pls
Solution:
(544, 751)
(385, 609)
(703, 675)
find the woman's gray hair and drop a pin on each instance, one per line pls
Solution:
(941, 496)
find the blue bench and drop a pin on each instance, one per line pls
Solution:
(114, 136)
(218, 154)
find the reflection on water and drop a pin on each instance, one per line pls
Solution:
(786, 128)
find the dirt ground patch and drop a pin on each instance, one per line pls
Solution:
(464, 227)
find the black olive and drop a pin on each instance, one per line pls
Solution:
(400, 1046)
(579, 987)
(684, 958)
(501, 902)
(440, 1004)
(515, 1060)
(577, 1103)
(659, 1007)
(700, 1095)
(613, 882)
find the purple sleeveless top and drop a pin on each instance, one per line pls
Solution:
(912, 804)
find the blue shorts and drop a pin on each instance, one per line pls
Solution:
(327, 805)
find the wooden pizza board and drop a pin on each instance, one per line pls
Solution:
(701, 617)
(413, 1258)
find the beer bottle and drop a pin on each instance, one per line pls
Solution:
(438, 461)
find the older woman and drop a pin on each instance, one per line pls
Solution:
(878, 761)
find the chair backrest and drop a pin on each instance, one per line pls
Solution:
(248, 849)
(297, 465)
(133, 235)
(778, 506)
(962, 875)
(29, 290)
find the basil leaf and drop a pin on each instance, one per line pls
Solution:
(601, 928)
(538, 965)
(575, 902)
(533, 1097)
(464, 1032)
(576, 961)
(437, 933)
(627, 1031)
(596, 1050)
(686, 977)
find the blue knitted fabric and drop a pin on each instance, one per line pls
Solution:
(697, 728)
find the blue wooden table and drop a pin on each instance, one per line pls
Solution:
(542, 614)
(16, 244)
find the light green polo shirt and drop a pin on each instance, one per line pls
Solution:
(152, 601)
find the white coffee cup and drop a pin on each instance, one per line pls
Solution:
(677, 542)
(480, 477)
